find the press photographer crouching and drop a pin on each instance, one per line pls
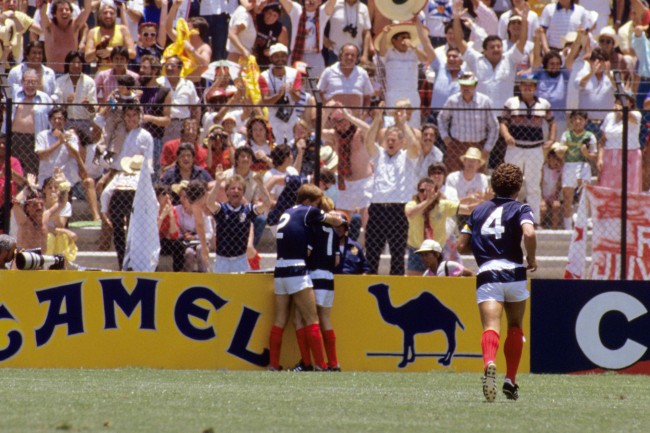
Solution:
(29, 260)
(7, 251)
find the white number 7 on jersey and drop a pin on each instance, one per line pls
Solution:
(492, 225)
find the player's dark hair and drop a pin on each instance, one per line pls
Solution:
(308, 192)
(507, 180)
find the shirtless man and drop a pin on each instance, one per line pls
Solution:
(105, 36)
(29, 119)
(62, 32)
(354, 169)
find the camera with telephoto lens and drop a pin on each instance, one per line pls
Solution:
(284, 112)
(351, 29)
(29, 260)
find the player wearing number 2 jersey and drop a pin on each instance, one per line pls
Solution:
(493, 233)
(291, 276)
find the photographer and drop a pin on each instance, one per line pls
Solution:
(7, 251)
(280, 86)
(349, 24)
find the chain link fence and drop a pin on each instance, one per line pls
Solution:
(77, 178)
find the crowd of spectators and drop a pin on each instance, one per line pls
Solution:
(415, 115)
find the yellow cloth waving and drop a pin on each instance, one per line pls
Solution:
(177, 48)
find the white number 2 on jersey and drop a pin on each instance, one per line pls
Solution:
(284, 219)
(492, 225)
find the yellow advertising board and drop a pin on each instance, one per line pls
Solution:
(58, 319)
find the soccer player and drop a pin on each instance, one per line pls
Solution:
(321, 262)
(494, 232)
(291, 277)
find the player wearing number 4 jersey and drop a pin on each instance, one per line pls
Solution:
(291, 277)
(493, 233)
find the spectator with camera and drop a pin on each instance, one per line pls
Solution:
(7, 251)
(349, 24)
(220, 149)
(62, 31)
(308, 31)
(280, 86)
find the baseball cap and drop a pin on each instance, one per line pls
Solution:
(278, 48)
(467, 79)
(429, 245)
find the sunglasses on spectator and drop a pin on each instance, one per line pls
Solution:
(149, 35)
(605, 41)
(422, 190)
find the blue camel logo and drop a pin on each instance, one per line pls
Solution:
(420, 315)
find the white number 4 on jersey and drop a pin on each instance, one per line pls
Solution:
(492, 225)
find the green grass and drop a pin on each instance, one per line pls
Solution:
(139, 400)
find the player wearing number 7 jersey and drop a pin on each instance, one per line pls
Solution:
(493, 233)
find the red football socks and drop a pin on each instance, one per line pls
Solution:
(301, 337)
(512, 349)
(329, 338)
(315, 341)
(275, 345)
(490, 345)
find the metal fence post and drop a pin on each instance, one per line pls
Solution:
(7, 190)
(626, 116)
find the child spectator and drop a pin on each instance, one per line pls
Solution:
(581, 149)
(551, 185)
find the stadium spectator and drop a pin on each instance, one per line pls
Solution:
(168, 227)
(28, 211)
(131, 14)
(291, 277)
(445, 82)
(243, 162)
(184, 98)
(480, 18)
(184, 167)
(596, 90)
(270, 31)
(58, 210)
(234, 220)
(608, 41)
(242, 31)
(469, 181)
(610, 149)
(308, 31)
(282, 166)
(155, 101)
(399, 47)
(217, 13)
(377, 20)
(196, 238)
(354, 168)
(552, 187)
(349, 24)
(151, 42)
(280, 86)
(430, 253)
(494, 233)
(429, 152)
(394, 162)
(495, 69)
(475, 125)
(107, 35)
(34, 59)
(29, 117)
(560, 18)
(197, 50)
(22, 23)
(220, 149)
(438, 13)
(427, 215)
(259, 139)
(7, 251)
(353, 260)
(504, 21)
(75, 87)
(62, 31)
(511, 40)
(522, 129)
(581, 150)
(189, 134)
(347, 83)
(106, 80)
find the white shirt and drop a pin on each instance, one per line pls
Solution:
(393, 177)
(559, 21)
(597, 94)
(497, 83)
(48, 79)
(356, 15)
(277, 189)
(458, 187)
(246, 36)
(613, 131)
(217, 7)
(85, 89)
(504, 19)
(59, 158)
(333, 82)
(183, 96)
(138, 141)
(401, 70)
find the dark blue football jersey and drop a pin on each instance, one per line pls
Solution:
(295, 232)
(324, 248)
(233, 227)
(495, 227)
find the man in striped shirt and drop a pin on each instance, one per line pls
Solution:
(522, 129)
(467, 120)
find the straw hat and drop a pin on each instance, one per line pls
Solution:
(559, 149)
(392, 29)
(178, 187)
(132, 164)
(400, 10)
(473, 153)
(328, 157)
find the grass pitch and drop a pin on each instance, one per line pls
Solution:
(143, 400)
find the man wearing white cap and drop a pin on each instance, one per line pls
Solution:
(280, 86)
(431, 253)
